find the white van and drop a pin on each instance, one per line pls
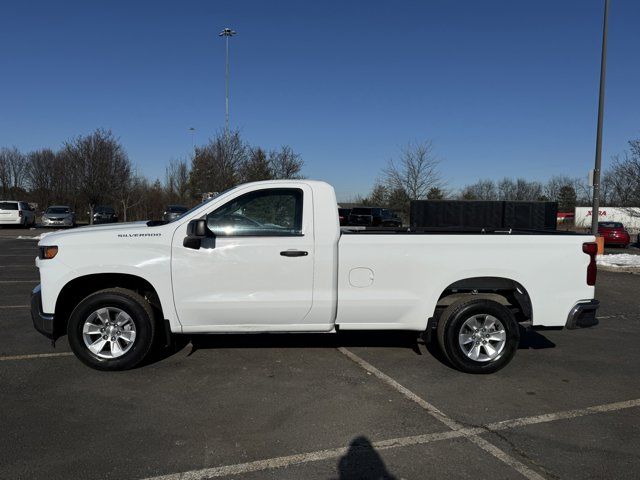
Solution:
(16, 213)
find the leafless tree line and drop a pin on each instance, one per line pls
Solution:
(95, 169)
(415, 175)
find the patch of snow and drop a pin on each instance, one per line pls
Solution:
(619, 260)
(37, 237)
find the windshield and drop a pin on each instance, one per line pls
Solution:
(58, 210)
(104, 210)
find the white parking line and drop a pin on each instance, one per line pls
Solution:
(449, 422)
(18, 265)
(19, 281)
(35, 355)
(566, 415)
(471, 433)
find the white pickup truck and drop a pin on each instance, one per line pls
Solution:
(271, 257)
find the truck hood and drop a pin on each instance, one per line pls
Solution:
(129, 228)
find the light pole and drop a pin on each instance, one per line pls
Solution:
(227, 33)
(192, 132)
(596, 171)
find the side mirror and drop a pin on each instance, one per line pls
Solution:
(197, 230)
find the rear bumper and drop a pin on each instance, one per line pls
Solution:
(583, 315)
(12, 221)
(42, 322)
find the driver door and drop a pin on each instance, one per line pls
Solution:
(257, 273)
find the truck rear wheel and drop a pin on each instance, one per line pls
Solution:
(478, 335)
(112, 329)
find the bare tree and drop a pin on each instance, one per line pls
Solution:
(99, 166)
(216, 165)
(555, 184)
(129, 193)
(481, 190)
(41, 169)
(519, 189)
(623, 179)
(177, 181)
(13, 170)
(285, 163)
(415, 172)
(256, 166)
(5, 182)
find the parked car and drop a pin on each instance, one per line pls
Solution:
(269, 257)
(104, 214)
(373, 217)
(20, 214)
(614, 233)
(58, 216)
(343, 216)
(172, 212)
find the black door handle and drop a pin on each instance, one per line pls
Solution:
(294, 253)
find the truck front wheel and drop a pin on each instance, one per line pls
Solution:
(111, 329)
(478, 335)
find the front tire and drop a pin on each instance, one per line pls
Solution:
(478, 335)
(112, 329)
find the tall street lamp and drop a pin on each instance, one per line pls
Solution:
(192, 132)
(598, 164)
(227, 33)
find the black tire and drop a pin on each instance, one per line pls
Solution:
(450, 325)
(132, 304)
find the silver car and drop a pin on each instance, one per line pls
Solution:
(59, 216)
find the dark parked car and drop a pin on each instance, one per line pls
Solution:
(104, 214)
(173, 211)
(343, 215)
(614, 233)
(374, 217)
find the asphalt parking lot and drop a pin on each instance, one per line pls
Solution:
(358, 406)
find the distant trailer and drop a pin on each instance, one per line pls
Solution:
(628, 216)
(490, 215)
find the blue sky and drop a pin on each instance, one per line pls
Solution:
(502, 88)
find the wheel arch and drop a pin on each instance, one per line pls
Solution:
(80, 287)
(503, 290)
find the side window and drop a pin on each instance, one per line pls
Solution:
(273, 212)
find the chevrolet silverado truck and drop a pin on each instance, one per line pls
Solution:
(271, 257)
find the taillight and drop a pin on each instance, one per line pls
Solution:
(591, 249)
(19, 213)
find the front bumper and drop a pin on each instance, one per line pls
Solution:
(42, 322)
(583, 315)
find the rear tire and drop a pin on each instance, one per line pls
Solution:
(112, 329)
(478, 335)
